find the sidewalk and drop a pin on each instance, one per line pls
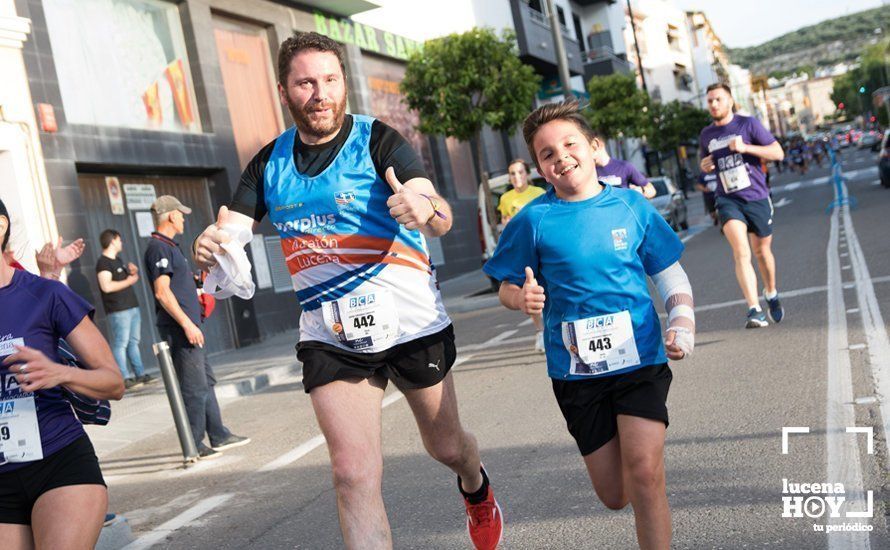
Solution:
(144, 411)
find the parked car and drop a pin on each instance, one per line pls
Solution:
(884, 160)
(670, 203)
(868, 140)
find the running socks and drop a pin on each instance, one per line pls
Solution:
(478, 496)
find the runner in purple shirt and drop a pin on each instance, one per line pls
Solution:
(620, 173)
(732, 148)
(49, 474)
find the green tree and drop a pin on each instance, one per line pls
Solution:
(871, 74)
(675, 124)
(618, 109)
(460, 83)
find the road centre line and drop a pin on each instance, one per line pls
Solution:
(873, 325)
(842, 452)
(164, 530)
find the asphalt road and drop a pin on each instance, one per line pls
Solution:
(728, 406)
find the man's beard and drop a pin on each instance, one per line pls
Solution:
(721, 115)
(318, 128)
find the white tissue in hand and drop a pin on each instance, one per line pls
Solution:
(231, 274)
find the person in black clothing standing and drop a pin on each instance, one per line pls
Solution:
(179, 319)
(116, 282)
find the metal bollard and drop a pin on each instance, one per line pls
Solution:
(177, 406)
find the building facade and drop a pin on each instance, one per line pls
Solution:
(154, 97)
(23, 182)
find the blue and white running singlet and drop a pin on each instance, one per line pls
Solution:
(364, 282)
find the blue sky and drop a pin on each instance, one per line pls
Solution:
(752, 22)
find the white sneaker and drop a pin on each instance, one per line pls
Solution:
(539, 342)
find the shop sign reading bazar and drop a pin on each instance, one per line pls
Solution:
(365, 37)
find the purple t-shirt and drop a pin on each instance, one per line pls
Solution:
(620, 173)
(36, 313)
(738, 175)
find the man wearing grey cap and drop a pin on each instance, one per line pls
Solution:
(179, 320)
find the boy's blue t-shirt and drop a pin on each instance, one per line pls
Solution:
(592, 257)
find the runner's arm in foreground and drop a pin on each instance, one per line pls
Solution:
(416, 205)
(771, 152)
(676, 293)
(100, 380)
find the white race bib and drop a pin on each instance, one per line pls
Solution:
(363, 320)
(733, 172)
(614, 181)
(19, 431)
(601, 344)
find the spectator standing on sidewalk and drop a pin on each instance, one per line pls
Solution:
(116, 282)
(179, 319)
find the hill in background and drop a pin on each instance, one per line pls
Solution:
(820, 45)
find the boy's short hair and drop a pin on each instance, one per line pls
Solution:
(564, 110)
(107, 236)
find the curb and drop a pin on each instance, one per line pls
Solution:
(272, 376)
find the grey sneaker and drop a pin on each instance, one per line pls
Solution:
(230, 442)
(206, 453)
(756, 319)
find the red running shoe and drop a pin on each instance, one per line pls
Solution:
(485, 524)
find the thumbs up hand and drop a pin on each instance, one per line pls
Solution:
(532, 295)
(406, 206)
(207, 244)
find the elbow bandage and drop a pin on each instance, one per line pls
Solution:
(231, 274)
(676, 292)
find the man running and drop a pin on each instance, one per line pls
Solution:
(733, 145)
(353, 237)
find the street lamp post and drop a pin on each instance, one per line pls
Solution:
(633, 28)
(562, 63)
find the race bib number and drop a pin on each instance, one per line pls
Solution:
(19, 431)
(601, 344)
(731, 167)
(733, 173)
(363, 320)
(614, 181)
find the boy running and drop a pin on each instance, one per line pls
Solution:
(603, 338)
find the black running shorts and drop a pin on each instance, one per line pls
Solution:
(591, 407)
(757, 215)
(420, 363)
(75, 464)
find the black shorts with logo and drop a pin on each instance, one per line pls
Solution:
(420, 363)
(757, 215)
(74, 464)
(591, 407)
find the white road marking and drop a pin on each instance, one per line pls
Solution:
(873, 325)
(782, 202)
(853, 310)
(843, 464)
(164, 530)
(525, 323)
(854, 347)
